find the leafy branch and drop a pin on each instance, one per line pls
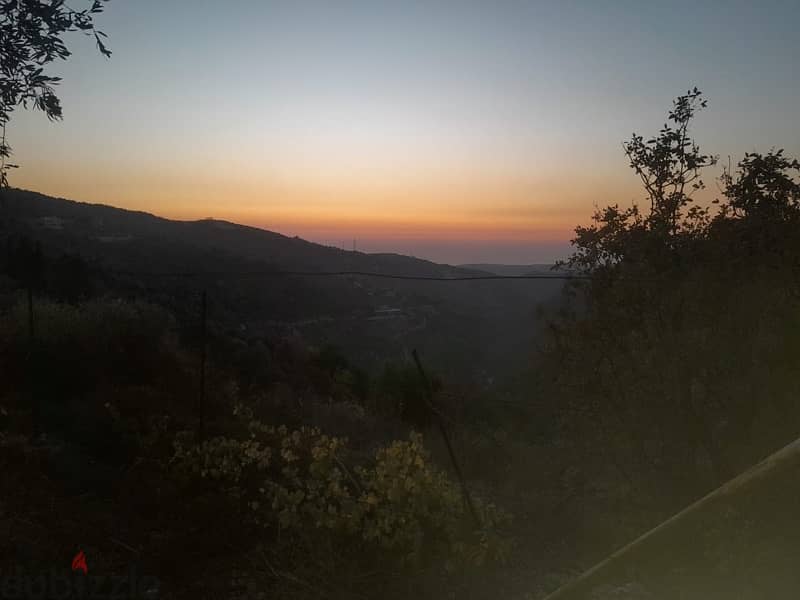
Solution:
(31, 37)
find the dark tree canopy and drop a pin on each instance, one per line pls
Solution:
(764, 187)
(31, 37)
(679, 356)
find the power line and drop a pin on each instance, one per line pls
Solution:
(460, 278)
(189, 274)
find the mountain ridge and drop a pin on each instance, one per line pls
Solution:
(253, 243)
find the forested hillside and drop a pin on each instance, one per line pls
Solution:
(478, 332)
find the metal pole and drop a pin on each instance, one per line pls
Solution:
(31, 367)
(30, 314)
(202, 395)
(443, 429)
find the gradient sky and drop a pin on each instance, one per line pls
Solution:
(457, 131)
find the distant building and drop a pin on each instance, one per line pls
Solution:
(51, 222)
(114, 239)
(387, 310)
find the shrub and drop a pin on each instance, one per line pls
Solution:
(395, 513)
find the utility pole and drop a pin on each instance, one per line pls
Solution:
(443, 430)
(32, 363)
(201, 399)
(30, 314)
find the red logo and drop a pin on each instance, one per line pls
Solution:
(79, 562)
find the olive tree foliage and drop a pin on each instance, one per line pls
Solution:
(31, 38)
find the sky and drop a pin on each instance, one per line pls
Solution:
(460, 132)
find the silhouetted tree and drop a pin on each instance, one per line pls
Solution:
(681, 355)
(31, 37)
(761, 211)
(763, 187)
(670, 164)
(670, 167)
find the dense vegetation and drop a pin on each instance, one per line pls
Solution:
(101, 405)
(280, 467)
(683, 350)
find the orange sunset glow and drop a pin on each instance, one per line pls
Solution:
(462, 128)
